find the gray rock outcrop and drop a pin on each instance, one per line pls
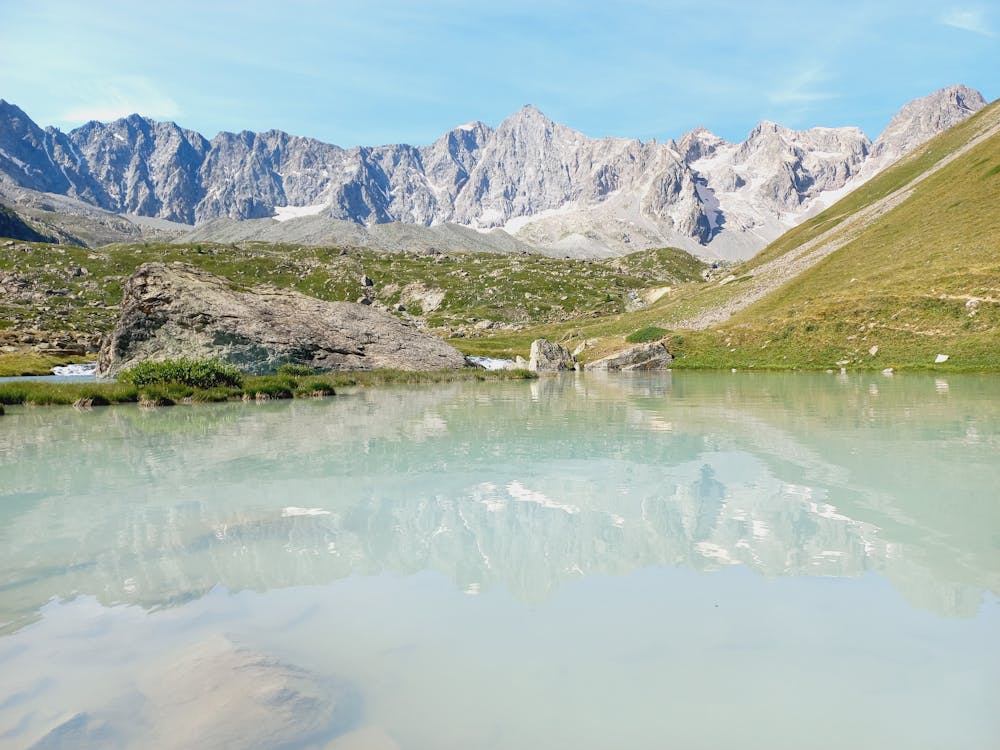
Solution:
(548, 356)
(652, 356)
(923, 118)
(177, 310)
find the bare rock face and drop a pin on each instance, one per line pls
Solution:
(177, 310)
(923, 118)
(548, 356)
(652, 356)
(548, 184)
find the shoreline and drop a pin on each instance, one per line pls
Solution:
(260, 388)
(255, 388)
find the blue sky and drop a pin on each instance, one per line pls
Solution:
(406, 71)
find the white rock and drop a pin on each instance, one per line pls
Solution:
(548, 356)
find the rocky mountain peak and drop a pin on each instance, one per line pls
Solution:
(25, 152)
(699, 144)
(528, 120)
(924, 118)
(550, 184)
(10, 110)
(529, 112)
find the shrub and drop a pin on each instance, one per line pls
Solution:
(294, 369)
(649, 333)
(194, 373)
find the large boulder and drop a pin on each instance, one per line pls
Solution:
(548, 356)
(219, 694)
(177, 310)
(642, 357)
(216, 693)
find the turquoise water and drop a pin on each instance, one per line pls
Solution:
(680, 561)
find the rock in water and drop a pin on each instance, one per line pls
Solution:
(548, 356)
(643, 357)
(177, 310)
(217, 694)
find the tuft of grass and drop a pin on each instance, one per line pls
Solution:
(292, 369)
(26, 392)
(158, 396)
(194, 373)
(269, 386)
(649, 333)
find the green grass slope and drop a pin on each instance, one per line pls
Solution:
(51, 295)
(921, 279)
(900, 270)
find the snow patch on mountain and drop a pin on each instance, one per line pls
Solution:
(284, 213)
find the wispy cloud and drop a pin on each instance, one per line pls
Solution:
(119, 97)
(805, 87)
(968, 19)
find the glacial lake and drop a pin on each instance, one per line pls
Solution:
(687, 560)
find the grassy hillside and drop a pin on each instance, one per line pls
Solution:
(906, 270)
(920, 280)
(58, 297)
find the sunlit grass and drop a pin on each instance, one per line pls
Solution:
(253, 388)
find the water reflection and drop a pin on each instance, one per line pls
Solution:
(524, 486)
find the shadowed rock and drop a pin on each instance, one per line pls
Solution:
(176, 310)
(643, 357)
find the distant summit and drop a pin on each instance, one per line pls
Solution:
(545, 183)
(923, 118)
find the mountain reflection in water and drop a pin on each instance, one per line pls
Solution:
(523, 486)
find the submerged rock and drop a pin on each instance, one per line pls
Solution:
(177, 310)
(218, 694)
(548, 356)
(642, 357)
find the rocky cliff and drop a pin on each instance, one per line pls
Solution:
(548, 184)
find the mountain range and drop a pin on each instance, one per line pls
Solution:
(551, 187)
